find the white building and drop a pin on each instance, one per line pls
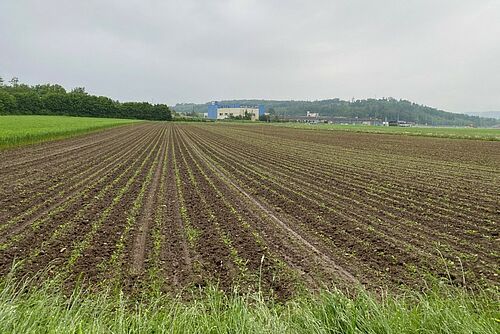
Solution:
(223, 113)
(216, 111)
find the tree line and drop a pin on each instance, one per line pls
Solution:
(381, 109)
(52, 99)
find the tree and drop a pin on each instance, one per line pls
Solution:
(79, 90)
(7, 103)
(28, 103)
(48, 99)
(48, 88)
(14, 81)
(57, 104)
(1, 81)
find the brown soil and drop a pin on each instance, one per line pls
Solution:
(180, 206)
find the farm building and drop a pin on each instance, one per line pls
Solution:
(400, 123)
(332, 120)
(220, 111)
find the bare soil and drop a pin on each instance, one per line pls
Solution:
(277, 209)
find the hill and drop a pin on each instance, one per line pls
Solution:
(386, 108)
(489, 114)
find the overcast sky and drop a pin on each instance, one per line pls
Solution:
(442, 53)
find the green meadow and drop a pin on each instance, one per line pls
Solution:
(23, 130)
(442, 132)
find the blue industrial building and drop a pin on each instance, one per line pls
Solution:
(223, 111)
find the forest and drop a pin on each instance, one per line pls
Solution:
(51, 99)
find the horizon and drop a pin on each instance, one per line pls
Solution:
(470, 113)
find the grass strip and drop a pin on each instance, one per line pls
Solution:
(492, 134)
(42, 308)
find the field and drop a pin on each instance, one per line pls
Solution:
(229, 227)
(440, 132)
(270, 209)
(22, 130)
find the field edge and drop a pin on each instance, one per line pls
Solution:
(26, 307)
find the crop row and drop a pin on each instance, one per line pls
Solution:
(173, 206)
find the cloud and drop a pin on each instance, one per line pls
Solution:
(443, 54)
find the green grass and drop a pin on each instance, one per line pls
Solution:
(29, 308)
(442, 132)
(24, 130)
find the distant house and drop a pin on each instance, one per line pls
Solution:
(312, 114)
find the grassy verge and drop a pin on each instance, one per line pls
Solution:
(27, 308)
(24, 130)
(441, 132)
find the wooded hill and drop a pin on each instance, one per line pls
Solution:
(48, 99)
(386, 108)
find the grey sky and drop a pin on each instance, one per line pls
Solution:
(441, 53)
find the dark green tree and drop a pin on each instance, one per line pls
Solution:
(7, 103)
(78, 90)
(54, 100)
